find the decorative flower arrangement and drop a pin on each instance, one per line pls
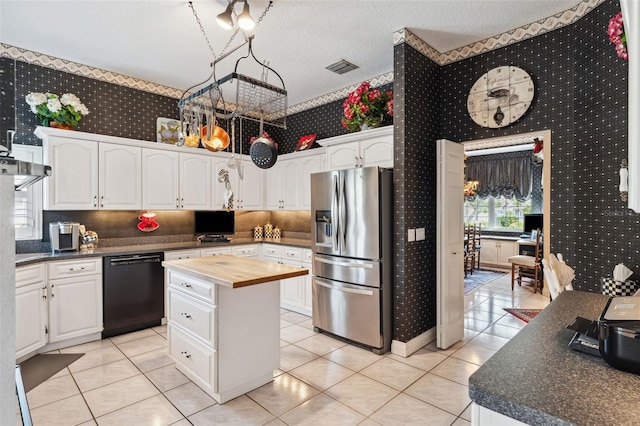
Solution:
(66, 110)
(365, 106)
(617, 36)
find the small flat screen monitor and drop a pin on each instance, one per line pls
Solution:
(532, 222)
(216, 223)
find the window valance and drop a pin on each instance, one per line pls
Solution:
(502, 176)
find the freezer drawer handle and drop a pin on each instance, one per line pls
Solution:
(346, 290)
(347, 264)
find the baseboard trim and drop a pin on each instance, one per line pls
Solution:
(404, 349)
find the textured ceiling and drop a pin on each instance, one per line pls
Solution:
(160, 41)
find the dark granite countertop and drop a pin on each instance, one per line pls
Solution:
(29, 258)
(537, 379)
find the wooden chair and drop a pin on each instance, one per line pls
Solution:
(478, 246)
(528, 267)
(469, 249)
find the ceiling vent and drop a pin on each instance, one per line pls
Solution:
(342, 67)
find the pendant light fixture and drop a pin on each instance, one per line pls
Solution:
(245, 21)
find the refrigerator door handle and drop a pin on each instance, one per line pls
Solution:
(323, 283)
(345, 264)
(334, 214)
(343, 214)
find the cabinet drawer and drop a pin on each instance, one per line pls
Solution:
(29, 274)
(181, 254)
(215, 251)
(193, 286)
(307, 255)
(197, 358)
(74, 268)
(292, 254)
(271, 251)
(197, 317)
(245, 251)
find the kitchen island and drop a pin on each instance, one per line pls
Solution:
(224, 321)
(537, 379)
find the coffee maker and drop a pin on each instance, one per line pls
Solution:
(64, 236)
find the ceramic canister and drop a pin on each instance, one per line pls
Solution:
(268, 230)
(257, 232)
(277, 232)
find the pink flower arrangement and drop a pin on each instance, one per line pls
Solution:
(366, 106)
(617, 36)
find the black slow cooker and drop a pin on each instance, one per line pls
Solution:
(619, 333)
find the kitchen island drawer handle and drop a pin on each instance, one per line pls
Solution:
(186, 354)
(346, 290)
(184, 314)
(187, 285)
(350, 265)
(79, 269)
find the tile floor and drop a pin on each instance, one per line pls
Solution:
(130, 379)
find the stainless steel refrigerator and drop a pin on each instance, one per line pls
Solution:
(352, 255)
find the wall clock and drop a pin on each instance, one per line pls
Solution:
(500, 97)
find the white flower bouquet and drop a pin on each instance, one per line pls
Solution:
(65, 110)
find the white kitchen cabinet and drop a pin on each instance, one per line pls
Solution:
(73, 184)
(181, 254)
(75, 298)
(31, 309)
(283, 184)
(195, 181)
(215, 251)
(295, 293)
(361, 149)
(308, 165)
(160, 179)
(249, 250)
(119, 177)
(496, 252)
(248, 192)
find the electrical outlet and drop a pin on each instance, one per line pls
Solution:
(412, 235)
(419, 234)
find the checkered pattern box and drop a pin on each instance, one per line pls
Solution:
(612, 287)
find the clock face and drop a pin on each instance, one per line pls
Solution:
(500, 97)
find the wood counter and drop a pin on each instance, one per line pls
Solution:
(234, 271)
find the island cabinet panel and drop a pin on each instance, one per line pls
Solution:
(226, 340)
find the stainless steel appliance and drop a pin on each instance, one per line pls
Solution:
(132, 292)
(64, 236)
(352, 263)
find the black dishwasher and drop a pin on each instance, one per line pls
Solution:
(132, 293)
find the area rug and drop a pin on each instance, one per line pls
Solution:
(39, 368)
(525, 315)
(479, 277)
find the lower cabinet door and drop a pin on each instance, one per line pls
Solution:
(198, 359)
(308, 291)
(31, 318)
(75, 307)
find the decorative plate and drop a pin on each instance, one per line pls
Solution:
(167, 130)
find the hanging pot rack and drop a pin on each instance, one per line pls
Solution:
(255, 99)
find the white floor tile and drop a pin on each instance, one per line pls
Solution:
(154, 411)
(240, 411)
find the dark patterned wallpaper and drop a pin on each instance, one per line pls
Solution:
(7, 94)
(581, 97)
(416, 121)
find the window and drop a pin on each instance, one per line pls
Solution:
(497, 214)
(27, 214)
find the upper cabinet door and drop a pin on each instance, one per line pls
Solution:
(120, 183)
(160, 179)
(308, 165)
(344, 156)
(251, 186)
(377, 152)
(73, 184)
(195, 182)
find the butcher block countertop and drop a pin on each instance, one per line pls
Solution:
(234, 271)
